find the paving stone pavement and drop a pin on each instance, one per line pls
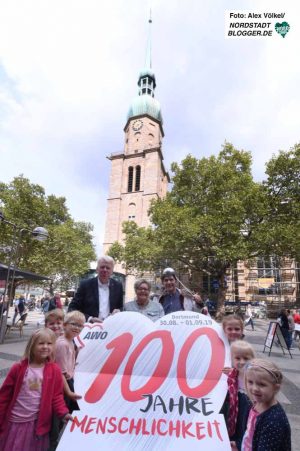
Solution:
(13, 347)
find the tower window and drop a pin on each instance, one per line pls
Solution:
(131, 211)
(144, 81)
(144, 90)
(137, 178)
(149, 91)
(130, 179)
(151, 137)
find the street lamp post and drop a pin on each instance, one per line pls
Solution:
(40, 234)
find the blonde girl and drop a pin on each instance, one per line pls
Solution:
(233, 327)
(238, 402)
(31, 392)
(268, 428)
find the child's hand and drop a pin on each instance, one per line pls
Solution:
(67, 375)
(226, 370)
(73, 396)
(67, 417)
(233, 446)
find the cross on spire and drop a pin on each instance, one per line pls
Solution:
(148, 62)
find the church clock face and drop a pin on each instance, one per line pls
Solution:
(137, 125)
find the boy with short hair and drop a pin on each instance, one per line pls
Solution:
(65, 350)
(54, 320)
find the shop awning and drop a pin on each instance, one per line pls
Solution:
(20, 274)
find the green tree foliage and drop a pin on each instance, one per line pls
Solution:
(68, 250)
(141, 251)
(281, 231)
(215, 215)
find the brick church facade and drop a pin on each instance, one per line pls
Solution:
(137, 174)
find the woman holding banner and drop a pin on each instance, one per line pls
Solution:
(142, 304)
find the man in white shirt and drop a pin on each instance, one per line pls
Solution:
(100, 296)
(249, 315)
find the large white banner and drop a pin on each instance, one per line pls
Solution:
(150, 386)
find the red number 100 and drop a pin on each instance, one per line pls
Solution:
(120, 347)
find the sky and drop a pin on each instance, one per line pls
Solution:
(69, 70)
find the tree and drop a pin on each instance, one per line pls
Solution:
(214, 216)
(68, 250)
(281, 234)
(140, 252)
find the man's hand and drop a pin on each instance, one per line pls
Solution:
(94, 319)
(116, 310)
(197, 298)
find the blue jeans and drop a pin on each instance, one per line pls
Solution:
(250, 321)
(287, 336)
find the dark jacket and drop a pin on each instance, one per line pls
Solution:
(284, 322)
(244, 406)
(86, 299)
(272, 431)
(21, 306)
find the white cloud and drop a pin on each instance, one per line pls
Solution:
(68, 71)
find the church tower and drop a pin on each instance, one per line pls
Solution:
(137, 174)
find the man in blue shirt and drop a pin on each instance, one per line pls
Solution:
(172, 300)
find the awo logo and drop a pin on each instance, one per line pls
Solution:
(95, 335)
(282, 28)
(90, 332)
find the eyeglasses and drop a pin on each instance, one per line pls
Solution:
(78, 326)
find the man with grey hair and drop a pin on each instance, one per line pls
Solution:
(100, 296)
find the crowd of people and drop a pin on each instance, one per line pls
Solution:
(289, 322)
(38, 395)
(21, 305)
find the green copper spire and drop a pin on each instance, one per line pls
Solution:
(145, 102)
(146, 80)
